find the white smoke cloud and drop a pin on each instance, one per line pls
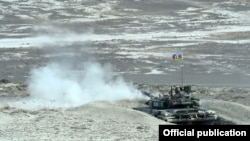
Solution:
(60, 83)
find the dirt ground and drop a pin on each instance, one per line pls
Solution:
(138, 38)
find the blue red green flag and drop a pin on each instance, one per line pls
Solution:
(178, 56)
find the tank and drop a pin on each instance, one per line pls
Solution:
(179, 107)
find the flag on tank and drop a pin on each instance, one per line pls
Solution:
(178, 56)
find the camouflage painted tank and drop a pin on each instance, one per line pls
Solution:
(179, 107)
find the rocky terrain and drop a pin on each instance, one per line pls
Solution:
(67, 67)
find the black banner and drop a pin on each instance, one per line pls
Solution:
(199, 132)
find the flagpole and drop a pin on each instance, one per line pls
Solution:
(182, 67)
(182, 80)
(179, 57)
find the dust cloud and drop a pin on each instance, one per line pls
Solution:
(60, 84)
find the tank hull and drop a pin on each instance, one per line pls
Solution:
(179, 107)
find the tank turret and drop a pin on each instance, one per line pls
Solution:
(178, 106)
